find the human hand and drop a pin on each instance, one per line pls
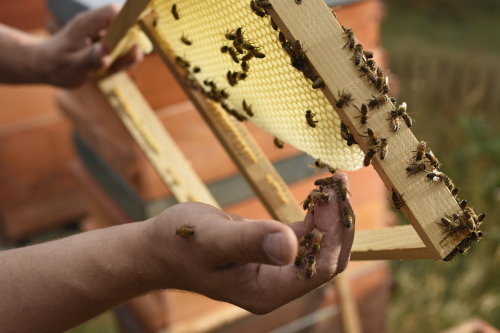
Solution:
(75, 53)
(243, 262)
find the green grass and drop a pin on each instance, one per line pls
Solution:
(445, 54)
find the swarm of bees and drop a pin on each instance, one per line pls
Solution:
(309, 246)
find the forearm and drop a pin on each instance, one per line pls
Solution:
(18, 57)
(54, 286)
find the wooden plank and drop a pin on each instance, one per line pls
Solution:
(323, 38)
(237, 141)
(156, 143)
(399, 243)
(124, 21)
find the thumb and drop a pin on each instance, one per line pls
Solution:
(266, 242)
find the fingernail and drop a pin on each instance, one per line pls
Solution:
(274, 247)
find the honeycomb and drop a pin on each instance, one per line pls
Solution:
(278, 93)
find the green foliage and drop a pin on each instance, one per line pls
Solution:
(450, 78)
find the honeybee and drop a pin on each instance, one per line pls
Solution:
(257, 54)
(263, 4)
(384, 144)
(397, 200)
(368, 54)
(318, 83)
(231, 78)
(247, 46)
(358, 54)
(347, 218)
(310, 119)
(454, 191)
(241, 76)
(223, 94)
(468, 221)
(319, 197)
(415, 168)
(380, 72)
(369, 156)
(278, 143)
(233, 54)
(394, 124)
(408, 121)
(393, 101)
(447, 224)
(186, 41)
(436, 176)
(432, 159)
(239, 35)
(274, 25)
(368, 73)
(371, 64)
(174, 11)
(346, 135)
(378, 101)
(372, 138)
(306, 202)
(299, 259)
(342, 189)
(421, 147)
(311, 266)
(182, 62)
(247, 108)
(257, 10)
(316, 241)
(351, 38)
(185, 231)
(329, 181)
(364, 114)
(463, 204)
(245, 66)
(238, 47)
(344, 99)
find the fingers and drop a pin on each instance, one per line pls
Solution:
(267, 242)
(135, 55)
(348, 238)
(92, 23)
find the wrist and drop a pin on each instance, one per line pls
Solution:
(41, 62)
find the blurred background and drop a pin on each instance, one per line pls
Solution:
(443, 56)
(446, 56)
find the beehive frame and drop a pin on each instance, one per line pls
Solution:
(313, 23)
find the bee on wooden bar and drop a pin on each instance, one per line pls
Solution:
(247, 108)
(346, 135)
(186, 41)
(298, 2)
(393, 101)
(378, 101)
(299, 259)
(415, 168)
(182, 62)
(185, 231)
(408, 121)
(394, 124)
(364, 114)
(278, 143)
(422, 146)
(454, 191)
(384, 144)
(468, 221)
(311, 267)
(369, 156)
(310, 119)
(436, 176)
(351, 38)
(372, 138)
(347, 217)
(432, 160)
(368, 54)
(344, 99)
(175, 14)
(463, 204)
(371, 64)
(274, 25)
(447, 224)
(318, 83)
(380, 72)
(358, 54)
(397, 200)
(316, 241)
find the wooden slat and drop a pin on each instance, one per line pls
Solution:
(124, 21)
(313, 23)
(401, 242)
(159, 147)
